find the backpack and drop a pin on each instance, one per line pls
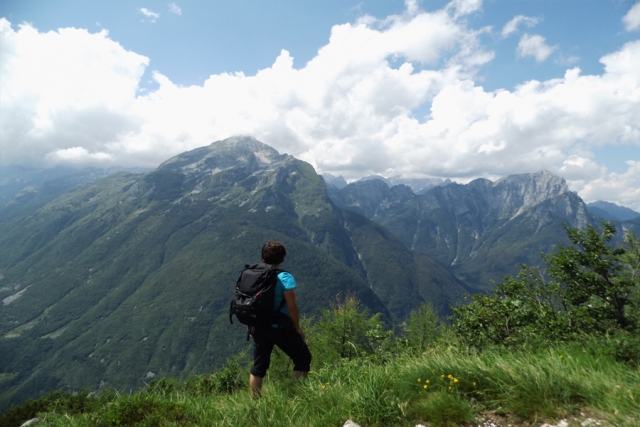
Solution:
(255, 293)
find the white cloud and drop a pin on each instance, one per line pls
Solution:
(153, 16)
(464, 7)
(77, 155)
(72, 96)
(534, 46)
(632, 19)
(175, 9)
(512, 26)
(622, 189)
(64, 89)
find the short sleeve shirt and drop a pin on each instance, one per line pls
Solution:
(286, 282)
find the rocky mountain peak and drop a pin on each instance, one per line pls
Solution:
(516, 194)
(233, 152)
(538, 182)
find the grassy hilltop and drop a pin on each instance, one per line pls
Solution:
(401, 386)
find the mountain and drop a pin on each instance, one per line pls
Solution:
(417, 185)
(23, 189)
(130, 277)
(336, 181)
(483, 230)
(611, 212)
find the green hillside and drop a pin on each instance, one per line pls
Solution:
(130, 277)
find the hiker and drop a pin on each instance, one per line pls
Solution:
(285, 332)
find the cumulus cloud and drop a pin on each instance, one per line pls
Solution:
(512, 26)
(534, 46)
(149, 14)
(72, 96)
(64, 89)
(631, 20)
(175, 9)
(623, 189)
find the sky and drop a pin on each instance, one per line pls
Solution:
(461, 89)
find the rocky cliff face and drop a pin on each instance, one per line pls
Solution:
(482, 229)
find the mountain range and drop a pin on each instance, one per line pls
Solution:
(612, 212)
(118, 280)
(129, 277)
(481, 230)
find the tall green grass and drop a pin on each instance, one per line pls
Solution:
(442, 386)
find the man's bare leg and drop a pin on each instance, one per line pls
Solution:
(255, 385)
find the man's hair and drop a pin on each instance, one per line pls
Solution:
(273, 252)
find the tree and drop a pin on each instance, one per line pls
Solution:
(346, 332)
(588, 288)
(631, 269)
(590, 273)
(422, 330)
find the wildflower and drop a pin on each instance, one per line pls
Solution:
(455, 380)
(427, 381)
(561, 357)
(418, 379)
(442, 376)
(449, 376)
(474, 383)
(449, 388)
(425, 386)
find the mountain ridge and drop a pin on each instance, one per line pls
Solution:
(468, 226)
(612, 212)
(136, 271)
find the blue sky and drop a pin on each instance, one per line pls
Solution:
(459, 89)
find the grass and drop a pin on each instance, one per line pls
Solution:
(443, 387)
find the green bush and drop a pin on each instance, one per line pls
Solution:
(228, 380)
(347, 332)
(588, 288)
(140, 409)
(55, 401)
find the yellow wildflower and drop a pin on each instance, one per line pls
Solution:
(474, 383)
(427, 381)
(455, 380)
(442, 376)
(418, 379)
(425, 386)
(449, 376)
(449, 388)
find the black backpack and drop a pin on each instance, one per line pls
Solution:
(254, 298)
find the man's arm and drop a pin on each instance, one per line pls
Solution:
(292, 306)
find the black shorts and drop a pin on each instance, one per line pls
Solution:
(287, 339)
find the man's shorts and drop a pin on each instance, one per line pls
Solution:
(287, 339)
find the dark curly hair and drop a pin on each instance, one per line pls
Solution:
(273, 252)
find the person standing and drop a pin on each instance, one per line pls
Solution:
(286, 333)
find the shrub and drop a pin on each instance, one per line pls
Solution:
(55, 401)
(589, 288)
